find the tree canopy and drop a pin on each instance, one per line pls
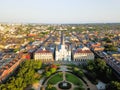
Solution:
(26, 75)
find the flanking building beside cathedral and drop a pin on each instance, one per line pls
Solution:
(44, 55)
(83, 54)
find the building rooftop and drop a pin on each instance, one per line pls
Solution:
(83, 50)
(43, 51)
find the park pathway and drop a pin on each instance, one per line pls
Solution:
(64, 78)
(90, 85)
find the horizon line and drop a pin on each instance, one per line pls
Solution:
(60, 23)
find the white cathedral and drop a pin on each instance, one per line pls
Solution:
(63, 52)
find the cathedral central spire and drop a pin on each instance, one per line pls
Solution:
(62, 53)
(62, 39)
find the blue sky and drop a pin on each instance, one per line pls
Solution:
(60, 11)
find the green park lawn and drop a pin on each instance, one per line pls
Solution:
(72, 78)
(55, 79)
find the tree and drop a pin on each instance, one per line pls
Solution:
(101, 64)
(109, 73)
(90, 67)
(10, 86)
(54, 66)
(75, 69)
(110, 48)
(48, 73)
(80, 73)
(37, 65)
(114, 85)
(53, 70)
(19, 82)
(2, 86)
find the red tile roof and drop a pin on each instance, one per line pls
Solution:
(82, 51)
(43, 51)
